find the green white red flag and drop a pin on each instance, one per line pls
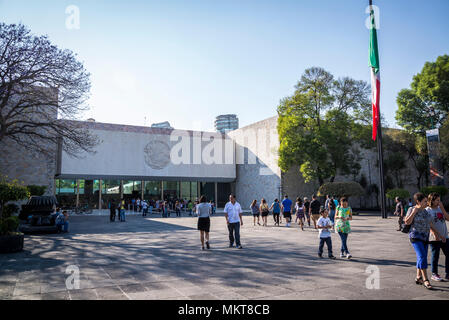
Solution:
(375, 73)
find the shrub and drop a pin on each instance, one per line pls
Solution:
(9, 225)
(441, 190)
(10, 210)
(10, 191)
(341, 189)
(36, 190)
(401, 193)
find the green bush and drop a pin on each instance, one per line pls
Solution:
(36, 190)
(441, 190)
(401, 193)
(9, 225)
(10, 210)
(341, 189)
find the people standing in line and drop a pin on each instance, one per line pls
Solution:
(331, 208)
(255, 211)
(299, 208)
(315, 207)
(286, 209)
(324, 226)
(122, 211)
(264, 211)
(112, 209)
(421, 222)
(234, 219)
(204, 212)
(438, 240)
(306, 209)
(342, 226)
(178, 208)
(400, 212)
(276, 207)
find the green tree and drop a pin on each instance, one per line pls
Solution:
(10, 191)
(313, 125)
(429, 89)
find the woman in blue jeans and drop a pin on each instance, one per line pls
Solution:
(342, 217)
(421, 224)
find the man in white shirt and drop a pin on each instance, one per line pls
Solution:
(233, 214)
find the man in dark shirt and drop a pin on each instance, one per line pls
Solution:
(112, 211)
(399, 212)
(315, 206)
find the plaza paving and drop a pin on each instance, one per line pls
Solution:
(161, 258)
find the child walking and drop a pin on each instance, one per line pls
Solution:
(324, 225)
(299, 207)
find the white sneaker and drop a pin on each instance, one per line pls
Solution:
(342, 255)
(348, 256)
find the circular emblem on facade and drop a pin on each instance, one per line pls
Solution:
(157, 154)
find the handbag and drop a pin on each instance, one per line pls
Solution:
(406, 227)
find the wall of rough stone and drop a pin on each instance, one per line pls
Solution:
(31, 168)
(256, 154)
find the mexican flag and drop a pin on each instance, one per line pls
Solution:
(375, 72)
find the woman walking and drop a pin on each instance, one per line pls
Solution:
(264, 211)
(438, 240)
(306, 209)
(421, 224)
(342, 217)
(275, 206)
(299, 207)
(204, 211)
(255, 211)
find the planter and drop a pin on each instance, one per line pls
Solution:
(11, 243)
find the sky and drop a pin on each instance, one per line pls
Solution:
(188, 61)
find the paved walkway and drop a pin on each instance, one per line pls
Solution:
(156, 258)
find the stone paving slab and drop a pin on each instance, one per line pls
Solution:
(160, 258)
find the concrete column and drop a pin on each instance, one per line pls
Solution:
(77, 203)
(180, 190)
(121, 189)
(142, 188)
(162, 190)
(216, 194)
(99, 193)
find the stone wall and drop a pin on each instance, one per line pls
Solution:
(258, 174)
(31, 168)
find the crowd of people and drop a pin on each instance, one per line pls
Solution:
(162, 207)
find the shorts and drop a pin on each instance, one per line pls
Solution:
(204, 224)
(300, 215)
(287, 214)
(265, 213)
(315, 216)
(256, 214)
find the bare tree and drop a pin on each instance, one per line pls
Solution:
(42, 89)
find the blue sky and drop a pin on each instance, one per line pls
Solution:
(188, 61)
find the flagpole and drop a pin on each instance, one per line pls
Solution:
(380, 154)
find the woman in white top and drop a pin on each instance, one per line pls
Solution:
(203, 210)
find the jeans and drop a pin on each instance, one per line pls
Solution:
(234, 228)
(435, 247)
(122, 215)
(276, 217)
(151, 209)
(178, 212)
(421, 250)
(64, 224)
(344, 240)
(328, 242)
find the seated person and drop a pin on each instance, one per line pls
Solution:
(62, 222)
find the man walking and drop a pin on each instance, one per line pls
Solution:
(315, 207)
(399, 212)
(112, 209)
(286, 207)
(233, 214)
